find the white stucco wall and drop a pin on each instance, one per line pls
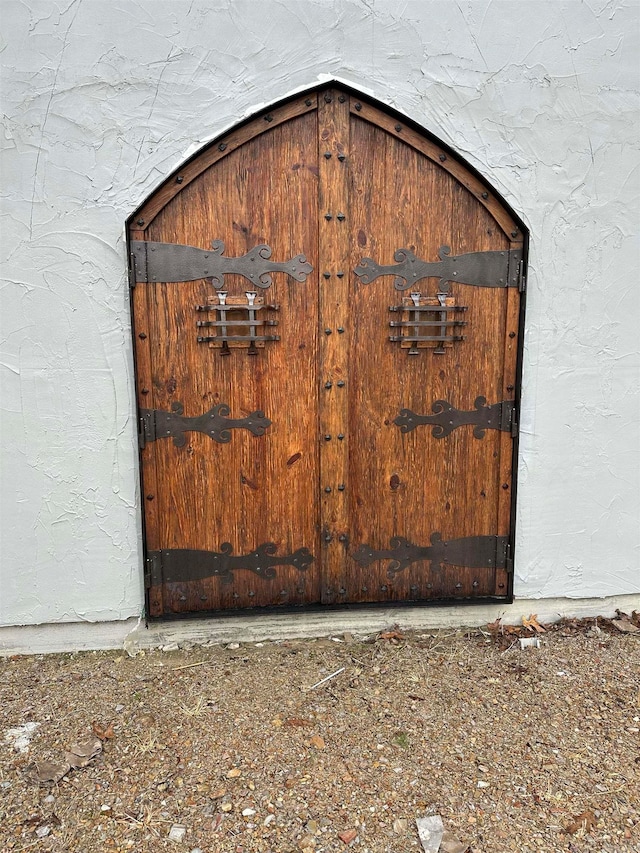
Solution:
(102, 98)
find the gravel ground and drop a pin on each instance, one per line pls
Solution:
(228, 749)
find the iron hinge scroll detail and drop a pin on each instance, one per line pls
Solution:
(509, 560)
(183, 565)
(172, 262)
(446, 418)
(478, 269)
(215, 423)
(472, 552)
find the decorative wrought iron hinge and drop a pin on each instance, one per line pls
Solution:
(479, 269)
(509, 560)
(170, 262)
(522, 279)
(500, 416)
(155, 423)
(181, 565)
(472, 552)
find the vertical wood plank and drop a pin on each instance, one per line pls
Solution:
(335, 332)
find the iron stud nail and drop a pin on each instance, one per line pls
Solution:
(326, 274)
(327, 331)
(342, 157)
(327, 155)
(340, 330)
(341, 217)
(509, 387)
(342, 537)
(145, 391)
(328, 217)
(398, 128)
(142, 336)
(222, 146)
(327, 99)
(485, 195)
(384, 587)
(268, 117)
(514, 233)
(512, 334)
(308, 102)
(443, 157)
(342, 99)
(327, 437)
(358, 107)
(328, 384)
(327, 537)
(179, 179)
(341, 383)
(327, 489)
(340, 274)
(365, 589)
(505, 486)
(140, 222)
(341, 487)
(150, 497)
(340, 436)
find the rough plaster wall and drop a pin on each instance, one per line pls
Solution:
(102, 98)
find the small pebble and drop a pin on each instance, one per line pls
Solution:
(43, 831)
(269, 819)
(171, 647)
(233, 646)
(482, 784)
(119, 709)
(50, 798)
(177, 832)
(248, 812)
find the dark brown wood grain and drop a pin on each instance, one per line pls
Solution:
(332, 177)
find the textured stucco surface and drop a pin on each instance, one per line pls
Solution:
(101, 98)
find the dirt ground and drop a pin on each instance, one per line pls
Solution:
(234, 748)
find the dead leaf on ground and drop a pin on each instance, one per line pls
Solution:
(297, 722)
(102, 733)
(585, 821)
(625, 623)
(317, 742)
(43, 772)
(83, 751)
(394, 636)
(532, 624)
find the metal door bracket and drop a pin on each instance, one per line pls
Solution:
(155, 423)
(472, 552)
(170, 262)
(500, 416)
(479, 269)
(181, 565)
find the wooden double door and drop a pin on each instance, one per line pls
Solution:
(326, 308)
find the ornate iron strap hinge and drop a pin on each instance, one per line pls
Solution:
(155, 423)
(181, 565)
(173, 262)
(500, 416)
(472, 552)
(479, 269)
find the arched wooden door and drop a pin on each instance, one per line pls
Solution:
(326, 310)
